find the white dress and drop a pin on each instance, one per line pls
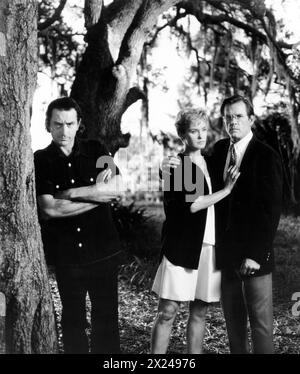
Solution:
(181, 284)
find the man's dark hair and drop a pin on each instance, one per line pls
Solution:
(62, 103)
(236, 99)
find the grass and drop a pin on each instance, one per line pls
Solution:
(137, 305)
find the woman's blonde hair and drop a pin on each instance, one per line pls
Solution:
(186, 117)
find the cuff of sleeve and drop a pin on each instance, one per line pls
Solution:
(256, 255)
(45, 189)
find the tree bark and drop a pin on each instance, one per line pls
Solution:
(103, 83)
(55, 16)
(30, 325)
(116, 35)
(115, 38)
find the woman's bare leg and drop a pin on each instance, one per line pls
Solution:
(167, 310)
(196, 326)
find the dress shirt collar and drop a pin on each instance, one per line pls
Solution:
(241, 145)
(56, 151)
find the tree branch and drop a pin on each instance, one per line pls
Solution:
(141, 26)
(121, 12)
(119, 15)
(55, 16)
(92, 12)
(219, 19)
(133, 95)
(218, 5)
(171, 23)
(222, 18)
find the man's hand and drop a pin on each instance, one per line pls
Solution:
(169, 162)
(249, 267)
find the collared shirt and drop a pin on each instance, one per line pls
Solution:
(209, 232)
(240, 149)
(84, 238)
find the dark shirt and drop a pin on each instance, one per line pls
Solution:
(84, 238)
(183, 231)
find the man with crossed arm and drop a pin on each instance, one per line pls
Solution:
(74, 192)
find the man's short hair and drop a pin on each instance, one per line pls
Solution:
(62, 103)
(236, 99)
(186, 117)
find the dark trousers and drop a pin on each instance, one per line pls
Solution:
(248, 297)
(100, 281)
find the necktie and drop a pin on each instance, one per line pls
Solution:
(232, 152)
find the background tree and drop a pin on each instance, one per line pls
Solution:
(229, 61)
(59, 50)
(116, 34)
(230, 33)
(30, 326)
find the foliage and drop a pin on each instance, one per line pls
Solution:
(275, 130)
(141, 244)
(58, 49)
(287, 254)
(170, 143)
(227, 57)
(231, 47)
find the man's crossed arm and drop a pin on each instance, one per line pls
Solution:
(75, 201)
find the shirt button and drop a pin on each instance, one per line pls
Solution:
(69, 164)
(78, 229)
(79, 245)
(91, 179)
(72, 181)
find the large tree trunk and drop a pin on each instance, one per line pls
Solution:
(115, 38)
(30, 324)
(103, 84)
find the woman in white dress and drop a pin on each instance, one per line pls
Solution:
(187, 269)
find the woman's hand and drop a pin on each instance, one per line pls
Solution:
(231, 177)
(104, 176)
(169, 162)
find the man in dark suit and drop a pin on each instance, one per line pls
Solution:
(246, 223)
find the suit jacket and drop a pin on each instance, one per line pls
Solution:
(183, 231)
(247, 220)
